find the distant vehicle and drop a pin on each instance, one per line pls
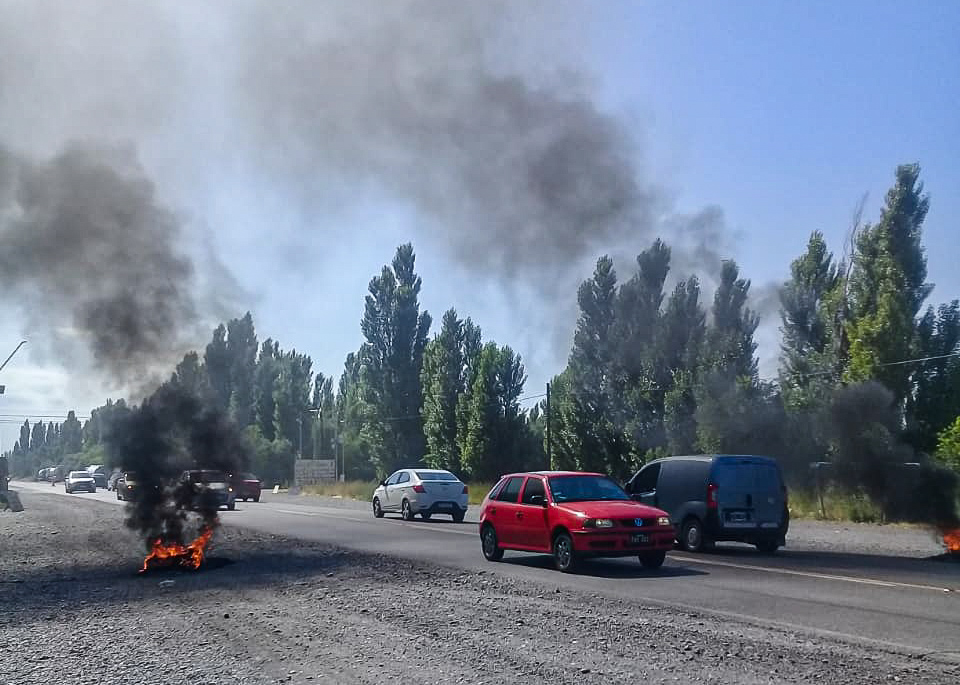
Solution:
(211, 484)
(421, 491)
(126, 486)
(571, 515)
(99, 478)
(247, 486)
(79, 480)
(713, 498)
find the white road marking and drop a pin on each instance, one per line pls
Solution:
(808, 574)
(369, 519)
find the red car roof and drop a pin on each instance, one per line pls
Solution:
(553, 473)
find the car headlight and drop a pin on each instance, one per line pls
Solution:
(663, 521)
(597, 523)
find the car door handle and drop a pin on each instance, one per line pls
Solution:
(519, 514)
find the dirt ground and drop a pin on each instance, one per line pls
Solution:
(266, 609)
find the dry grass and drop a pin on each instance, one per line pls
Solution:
(837, 506)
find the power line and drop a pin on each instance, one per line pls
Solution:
(899, 363)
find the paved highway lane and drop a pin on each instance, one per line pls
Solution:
(901, 603)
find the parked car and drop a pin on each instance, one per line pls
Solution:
(421, 491)
(571, 515)
(210, 485)
(247, 486)
(79, 480)
(714, 498)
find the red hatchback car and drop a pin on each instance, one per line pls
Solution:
(570, 515)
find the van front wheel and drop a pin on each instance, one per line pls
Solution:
(768, 546)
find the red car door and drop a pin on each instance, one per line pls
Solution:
(503, 512)
(533, 531)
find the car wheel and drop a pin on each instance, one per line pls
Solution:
(691, 537)
(377, 509)
(256, 498)
(768, 546)
(458, 517)
(425, 515)
(653, 560)
(564, 558)
(406, 513)
(489, 544)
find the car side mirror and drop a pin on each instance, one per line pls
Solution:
(538, 500)
(383, 483)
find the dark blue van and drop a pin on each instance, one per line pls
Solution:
(714, 498)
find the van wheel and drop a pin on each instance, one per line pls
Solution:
(768, 546)
(488, 542)
(691, 537)
(564, 558)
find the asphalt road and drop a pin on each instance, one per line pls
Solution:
(905, 604)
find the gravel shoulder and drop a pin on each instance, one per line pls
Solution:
(269, 609)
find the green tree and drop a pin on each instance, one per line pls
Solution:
(190, 376)
(808, 351)
(679, 343)
(216, 361)
(888, 286)
(241, 350)
(935, 400)
(494, 439)
(390, 363)
(292, 396)
(265, 383)
(71, 434)
(948, 445)
(24, 442)
(38, 437)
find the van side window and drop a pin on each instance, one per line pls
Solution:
(646, 480)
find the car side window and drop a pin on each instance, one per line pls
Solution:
(392, 480)
(404, 478)
(646, 480)
(533, 488)
(510, 491)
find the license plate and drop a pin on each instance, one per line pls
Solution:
(639, 539)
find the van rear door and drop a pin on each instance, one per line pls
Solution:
(749, 493)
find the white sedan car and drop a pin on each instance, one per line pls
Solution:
(421, 491)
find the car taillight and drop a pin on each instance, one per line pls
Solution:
(419, 488)
(711, 496)
(465, 490)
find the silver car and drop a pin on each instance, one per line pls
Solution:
(421, 491)
(79, 480)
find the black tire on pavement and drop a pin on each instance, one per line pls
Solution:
(564, 558)
(489, 545)
(458, 517)
(232, 506)
(377, 509)
(768, 546)
(256, 498)
(691, 536)
(653, 560)
(406, 513)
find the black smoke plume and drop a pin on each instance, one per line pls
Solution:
(864, 427)
(171, 432)
(92, 260)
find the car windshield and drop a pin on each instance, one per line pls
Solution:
(79, 474)
(436, 475)
(585, 489)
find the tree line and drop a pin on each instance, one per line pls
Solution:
(868, 374)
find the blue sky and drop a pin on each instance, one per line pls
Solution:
(782, 114)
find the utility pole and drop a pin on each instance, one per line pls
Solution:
(549, 441)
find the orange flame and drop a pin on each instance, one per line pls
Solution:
(952, 540)
(188, 556)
